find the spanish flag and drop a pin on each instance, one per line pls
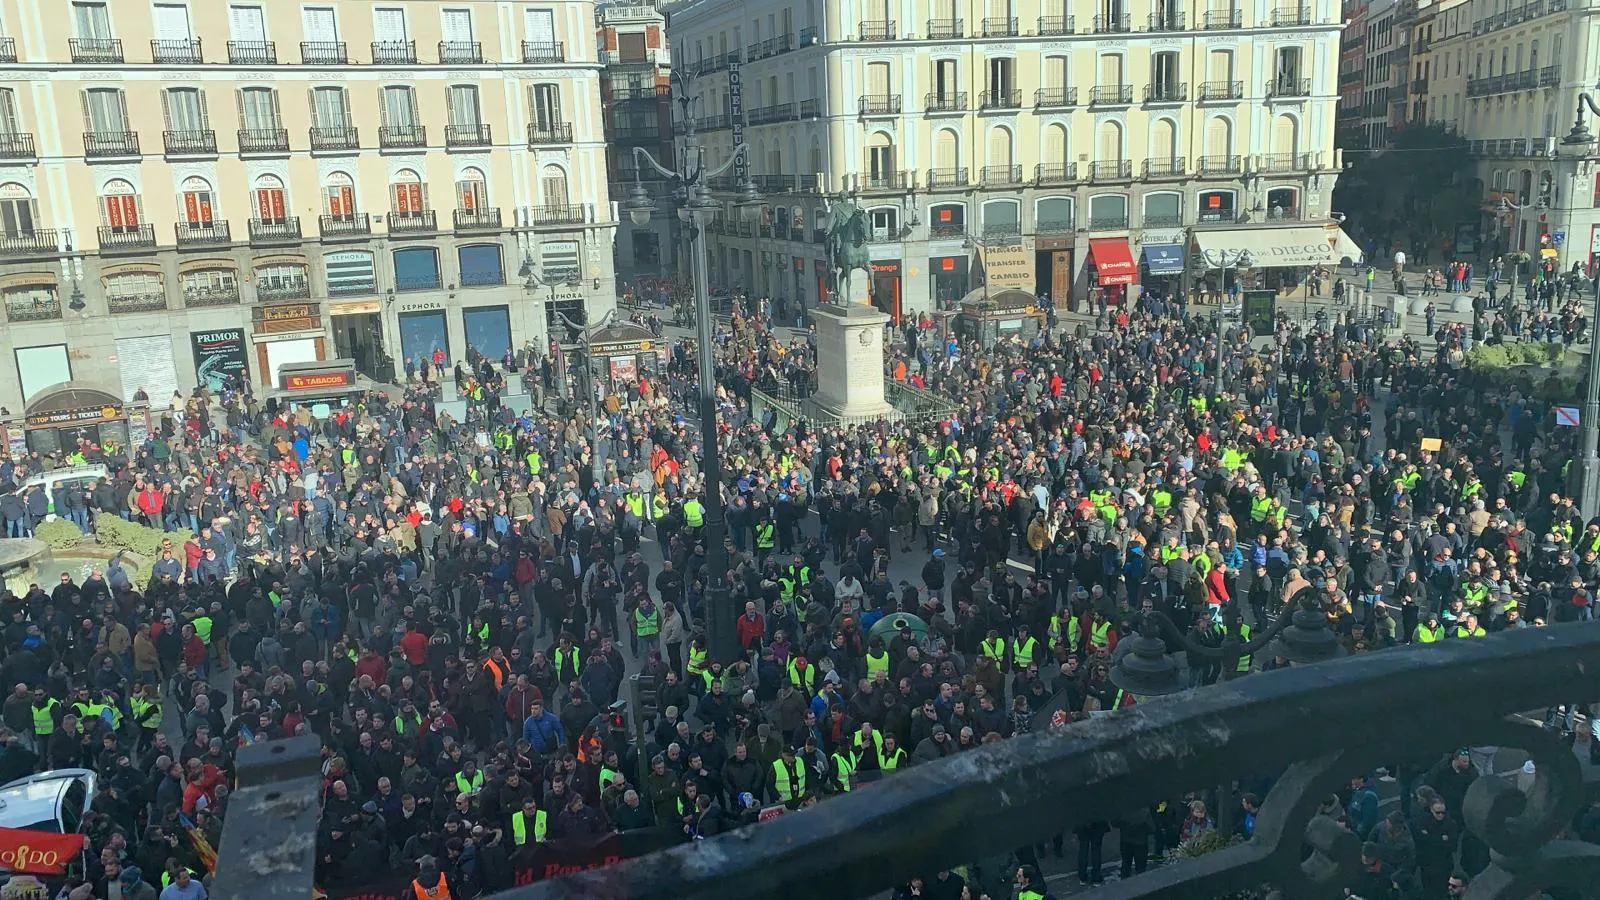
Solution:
(202, 847)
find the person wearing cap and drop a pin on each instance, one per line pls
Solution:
(788, 779)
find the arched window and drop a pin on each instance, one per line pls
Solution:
(1002, 218)
(340, 195)
(119, 207)
(885, 223)
(948, 220)
(553, 184)
(471, 192)
(880, 161)
(999, 168)
(407, 195)
(1217, 206)
(199, 203)
(1057, 145)
(946, 150)
(1053, 215)
(1164, 142)
(1163, 209)
(270, 206)
(16, 210)
(1285, 137)
(1283, 203)
(1219, 146)
(1108, 212)
(1108, 143)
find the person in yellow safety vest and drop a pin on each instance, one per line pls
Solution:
(1428, 631)
(1064, 623)
(766, 535)
(1475, 592)
(694, 513)
(409, 721)
(529, 818)
(877, 660)
(568, 660)
(697, 658)
(535, 462)
(788, 778)
(786, 590)
(867, 740)
(803, 675)
(844, 770)
(658, 507)
(469, 780)
(646, 621)
(145, 705)
(1100, 632)
(1024, 649)
(1245, 659)
(636, 505)
(1026, 880)
(993, 648)
(1260, 506)
(890, 757)
(1469, 628)
(84, 707)
(46, 714)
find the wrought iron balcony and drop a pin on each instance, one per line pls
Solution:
(1055, 173)
(136, 303)
(253, 53)
(1001, 232)
(949, 101)
(126, 237)
(275, 231)
(1291, 16)
(876, 30)
(1161, 221)
(1164, 168)
(102, 144)
(879, 104)
(943, 230)
(549, 133)
(884, 181)
(30, 243)
(767, 115)
(1212, 91)
(1289, 87)
(324, 53)
(536, 52)
(17, 145)
(1055, 97)
(346, 225)
(1111, 95)
(1011, 99)
(95, 51)
(1053, 25)
(996, 176)
(476, 219)
(195, 298)
(1054, 225)
(1225, 18)
(1113, 24)
(424, 220)
(1219, 165)
(1550, 76)
(946, 28)
(1167, 92)
(177, 52)
(460, 53)
(1111, 171)
(8, 50)
(774, 184)
(402, 136)
(1284, 162)
(472, 134)
(808, 35)
(203, 234)
(263, 140)
(342, 137)
(1168, 20)
(948, 178)
(289, 290)
(549, 216)
(1000, 27)
(1113, 222)
(190, 143)
(811, 109)
(32, 309)
(394, 53)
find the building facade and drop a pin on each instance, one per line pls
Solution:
(1012, 144)
(194, 186)
(635, 86)
(1352, 75)
(1381, 85)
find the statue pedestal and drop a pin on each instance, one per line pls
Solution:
(860, 291)
(849, 361)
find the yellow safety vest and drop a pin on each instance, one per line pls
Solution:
(1022, 653)
(994, 648)
(788, 787)
(694, 514)
(647, 626)
(802, 680)
(1426, 635)
(519, 826)
(697, 661)
(1100, 635)
(1245, 659)
(467, 787)
(764, 539)
(139, 705)
(892, 761)
(876, 664)
(844, 766)
(44, 721)
(577, 660)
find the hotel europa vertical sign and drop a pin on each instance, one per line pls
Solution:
(741, 167)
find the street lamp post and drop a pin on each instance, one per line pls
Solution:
(1507, 208)
(587, 384)
(1578, 144)
(697, 211)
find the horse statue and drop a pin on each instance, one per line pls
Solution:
(846, 243)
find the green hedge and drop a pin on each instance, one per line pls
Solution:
(1523, 353)
(62, 534)
(116, 534)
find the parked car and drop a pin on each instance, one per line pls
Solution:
(55, 801)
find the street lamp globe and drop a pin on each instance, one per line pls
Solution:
(1578, 142)
(702, 208)
(749, 200)
(640, 205)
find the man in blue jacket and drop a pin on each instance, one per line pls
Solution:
(542, 730)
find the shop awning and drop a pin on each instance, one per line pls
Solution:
(1306, 245)
(1163, 259)
(1113, 261)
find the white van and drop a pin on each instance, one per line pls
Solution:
(75, 477)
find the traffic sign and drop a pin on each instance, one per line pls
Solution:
(1558, 238)
(1567, 415)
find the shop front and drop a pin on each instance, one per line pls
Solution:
(1112, 270)
(1270, 257)
(60, 418)
(320, 385)
(886, 287)
(1053, 268)
(1162, 269)
(622, 353)
(285, 334)
(949, 281)
(358, 335)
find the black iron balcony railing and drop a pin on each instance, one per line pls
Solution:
(394, 53)
(1161, 220)
(17, 145)
(190, 143)
(1167, 92)
(1054, 225)
(476, 219)
(275, 231)
(1285, 162)
(136, 303)
(1052, 25)
(810, 109)
(100, 144)
(1167, 20)
(946, 28)
(1111, 171)
(879, 30)
(287, 290)
(1055, 96)
(8, 50)
(195, 298)
(767, 115)
(1111, 95)
(1055, 173)
(1289, 87)
(549, 133)
(1164, 168)
(949, 101)
(884, 181)
(1001, 232)
(948, 177)
(95, 51)
(994, 176)
(421, 220)
(1212, 91)
(1550, 76)
(1000, 27)
(1419, 85)
(460, 53)
(808, 35)
(879, 104)
(177, 52)
(536, 52)
(345, 225)
(263, 140)
(471, 134)
(253, 53)
(31, 309)
(402, 136)
(127, 237)
(1224, 18)
(774, 184)
(1219, 165)
(203, 234)
(341, 137)
(548, 216)
(324, 53)
(1002, 99)
(1113, 24)
(417, 281)
(27, 243)
(944, 230)
(1109, 222)
(1290, 16)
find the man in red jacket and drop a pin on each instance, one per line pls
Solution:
(752, 626)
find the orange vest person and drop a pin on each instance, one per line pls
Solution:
(429, 884)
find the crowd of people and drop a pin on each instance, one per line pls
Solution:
(453, 606)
